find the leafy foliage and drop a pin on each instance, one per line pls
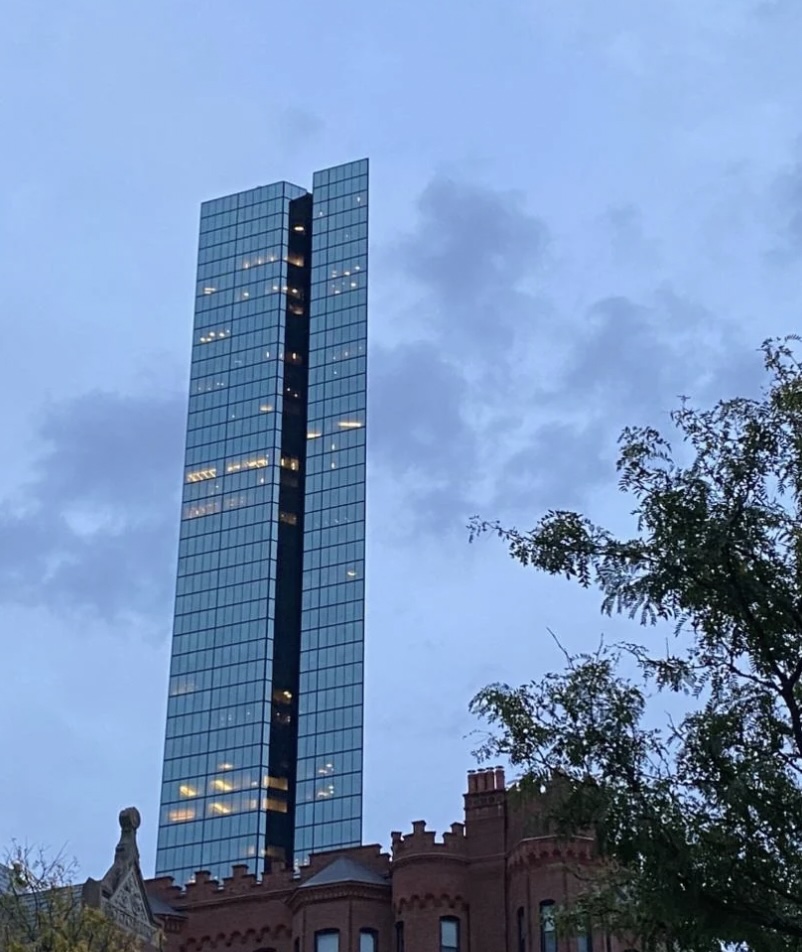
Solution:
(41, 911)
(699, 822)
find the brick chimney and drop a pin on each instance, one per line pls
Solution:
(485, 836)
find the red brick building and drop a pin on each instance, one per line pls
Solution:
(488, 885)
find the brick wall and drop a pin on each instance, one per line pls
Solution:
(489, 874)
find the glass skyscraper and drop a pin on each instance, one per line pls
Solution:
(263, 749)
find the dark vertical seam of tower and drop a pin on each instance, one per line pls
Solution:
(283, 750)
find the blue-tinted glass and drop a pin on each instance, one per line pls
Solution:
(218, 794)
(330, 718)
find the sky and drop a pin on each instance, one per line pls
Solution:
(579, 212)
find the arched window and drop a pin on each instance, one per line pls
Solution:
(548, 927)
(327, 941)
(368, 940)
(399, 937)
(521, 930)
(449, 934)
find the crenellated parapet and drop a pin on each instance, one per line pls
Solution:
(203, 888)
(485, 878)
(429, 876)
(423, 843)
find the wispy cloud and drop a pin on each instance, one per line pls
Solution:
(94, 528)
(511, 402)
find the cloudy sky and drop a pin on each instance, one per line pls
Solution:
(580, 210)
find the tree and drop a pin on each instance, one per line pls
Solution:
(698, 822)
(42, 911)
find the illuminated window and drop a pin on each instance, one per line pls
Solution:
(182, 815)
(276, 805)
(241, 465)
(314, 434)
(290, 518)
(187, 791)
(293, 358)
(211, 336)
(199, 474)
(266, 407)
(548, 928)
(209, 290)
(349, 424)
(291, 462)
(297, 260)
(449, 934)
(207, 509)
(219, 809)
(224, 786)
(278, 783)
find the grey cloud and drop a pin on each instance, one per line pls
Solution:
(448, 411)
(641, 357)
(116, 445)
(418, 400)
(787, 195)
(629, 243)
(560, 464)
(299, 127)
(474, 257)
(94, 527)
(419, 429)
(629, 364)
(470, 253)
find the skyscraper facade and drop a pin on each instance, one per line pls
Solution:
(263, 748)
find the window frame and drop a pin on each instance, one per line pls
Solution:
(584, 940)
(323, 933)
(373, 935)
(450, 948)
(548, 937)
